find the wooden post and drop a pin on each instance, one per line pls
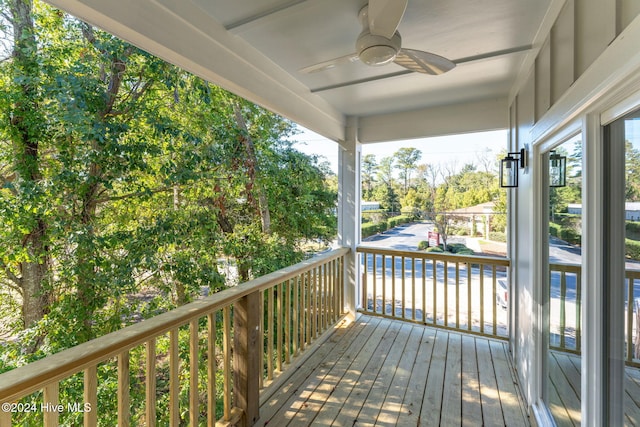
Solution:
(246, 358)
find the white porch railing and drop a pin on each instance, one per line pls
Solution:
(210, 357)
(466, 293)
(566, 311)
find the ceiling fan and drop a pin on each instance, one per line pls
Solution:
(379, 43)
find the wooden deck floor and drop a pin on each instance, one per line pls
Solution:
(564, 395)
(385, 373)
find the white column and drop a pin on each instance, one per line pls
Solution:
(594, 349)
(349, 210)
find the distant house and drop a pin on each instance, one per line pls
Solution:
(478, 217)
(369, 206)
(632, 210)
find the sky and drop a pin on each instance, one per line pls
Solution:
(445, 150)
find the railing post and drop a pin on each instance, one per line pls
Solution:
(246, 356)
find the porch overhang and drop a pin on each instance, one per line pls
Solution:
(209, 40)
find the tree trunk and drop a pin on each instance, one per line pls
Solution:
(26, 122)
(252, 169)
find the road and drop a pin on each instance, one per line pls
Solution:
(405, 237)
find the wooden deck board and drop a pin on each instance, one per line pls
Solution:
(410, 411)
(389, 372)
(349, 413)
(372, 406)
(318, 391)
(564, 393)
(489, 396)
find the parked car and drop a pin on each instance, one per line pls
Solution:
(502, 293)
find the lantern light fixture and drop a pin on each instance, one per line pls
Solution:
(509, 168)
(557, 170)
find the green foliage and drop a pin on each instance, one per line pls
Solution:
(435, 249)
(371, 229)
(398, 220)
(424, 244)
(123, 181)
(555, 229)
(632, 249)
(497, 236)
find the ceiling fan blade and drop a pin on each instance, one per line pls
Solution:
(326, 65)
(385, 16)
(423, 62)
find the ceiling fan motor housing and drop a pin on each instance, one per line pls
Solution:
(377, 50)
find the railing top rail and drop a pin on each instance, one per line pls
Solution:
(27, 379)
(437, 256)
(566, 267)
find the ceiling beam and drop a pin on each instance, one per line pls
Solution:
(484, 115)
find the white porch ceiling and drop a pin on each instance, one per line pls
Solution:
(256, 49)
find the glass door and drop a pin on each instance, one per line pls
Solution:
(624, 151)
(562, 391)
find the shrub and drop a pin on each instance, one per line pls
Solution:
(370, 229)
(466, 251)
(632, 249)
(423, 245)
(633, 226)
(435, 249)
(398, 220)
(454, 248)
(497, 236)
(555, 229)
(569, 235)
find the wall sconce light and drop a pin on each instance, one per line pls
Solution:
(557, 170)
(509, 168)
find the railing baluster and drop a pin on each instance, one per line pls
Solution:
(482, 298)
(212, 332)
(578, 310)
(393, 285)
(150, 384)
(90, 395)
(384, 284)
(303, 311)
(314, 304)
(469, 316)
(413, 289)
(226, 349)
(446, 293)
(280, 328)
(51, 400)
(563, 301)
(193, 372)
(435, 291)
(629, 327)
(494, 299)
(124, 404)
(374, 282)
(296, 319)
(325, 297)
(424, 291)
(365, 283)
(287, 321)
(262, 343)
(308, 307)
(174, 379)
(457, 295)
(5, 418)
(402, 283)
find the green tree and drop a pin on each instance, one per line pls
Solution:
(369, 166)
(406, 161)
(119, 172)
